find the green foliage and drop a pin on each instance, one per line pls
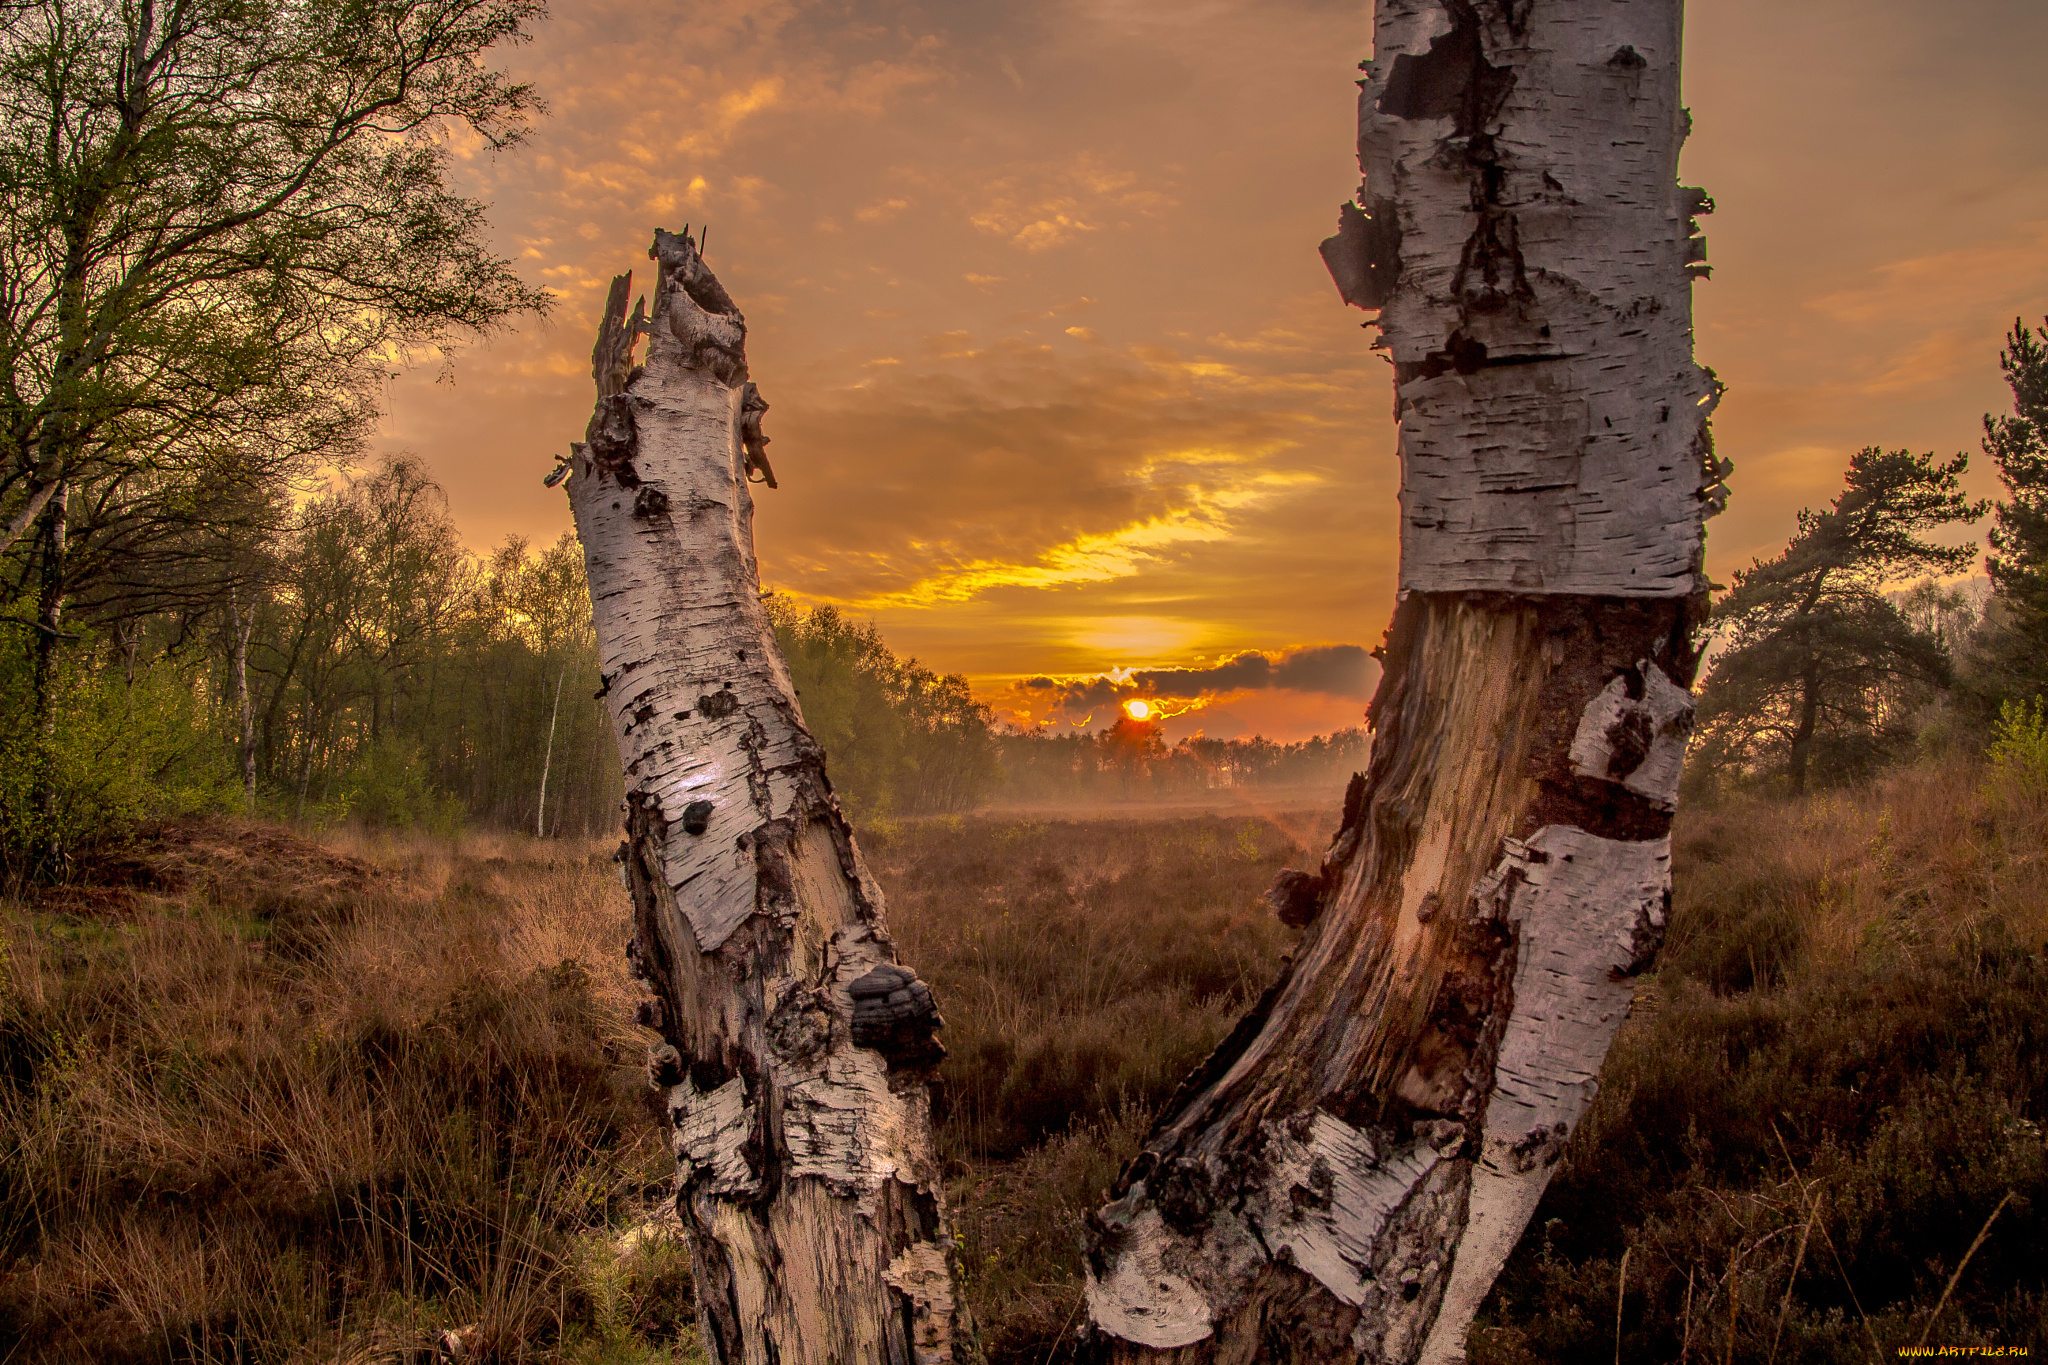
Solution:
(108, 752)
(396, 678)
(897, 736)
(220, 223)
(2014, 653)
(2019, 747)
(1822, 672)
(389, 786)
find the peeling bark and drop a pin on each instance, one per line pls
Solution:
(807, 1177)
(1343, 1179)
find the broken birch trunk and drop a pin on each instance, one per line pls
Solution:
(1345, 1176)
(797, 1053)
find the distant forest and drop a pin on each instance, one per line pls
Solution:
(367, 666)
(353, 660)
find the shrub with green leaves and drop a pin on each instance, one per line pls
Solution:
(389, 786)
(2019, 746)
(107, 752)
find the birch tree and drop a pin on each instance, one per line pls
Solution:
(797, 1051)
(220, 223)
(1343, 1179)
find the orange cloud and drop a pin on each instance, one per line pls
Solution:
(915, 206)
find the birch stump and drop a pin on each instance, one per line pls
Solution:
(1345, 1176)
(797, 1052)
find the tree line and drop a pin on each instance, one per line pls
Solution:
(359, 662)
(222, 225)
(1131, 761)
(364, 664)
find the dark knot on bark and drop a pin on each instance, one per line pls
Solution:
(894, 1014)
(1183, 1193)
(752, 441)
(1296, 897)
(664, 1066)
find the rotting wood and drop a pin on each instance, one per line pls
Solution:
(1343, 1179)
(807, 1178)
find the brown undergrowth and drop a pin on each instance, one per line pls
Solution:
(272, 1100)
(262, 1100)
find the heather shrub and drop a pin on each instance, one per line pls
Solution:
(1836, 1076)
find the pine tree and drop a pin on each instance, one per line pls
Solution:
(1820, 665)
(2015, 652)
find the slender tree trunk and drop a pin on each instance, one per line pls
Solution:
(49, 631)
(797, 1054)
(540, 810)
(50, 597)
(243, 624)
(1345, 1177)
(1802, 733)
(305, 757)
(38, 498)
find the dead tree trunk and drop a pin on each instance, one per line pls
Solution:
(797, 1052)
(1345, 1177)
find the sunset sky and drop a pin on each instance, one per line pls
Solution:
(1058, 382)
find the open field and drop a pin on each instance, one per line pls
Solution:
(271, 1100)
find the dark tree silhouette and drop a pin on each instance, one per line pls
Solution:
(1818, 659)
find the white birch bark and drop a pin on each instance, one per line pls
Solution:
(244, 624)
(797, 1054)
(26, 513)
(1345, 1177)
(547, 760)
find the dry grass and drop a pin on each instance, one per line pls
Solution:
(262, 1100)
(268, 1101)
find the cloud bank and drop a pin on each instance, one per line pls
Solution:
(1345, 671)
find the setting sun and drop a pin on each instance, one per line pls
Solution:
(1137, 709)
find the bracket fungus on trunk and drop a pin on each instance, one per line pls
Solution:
(1343, 1179)
(807, 1178)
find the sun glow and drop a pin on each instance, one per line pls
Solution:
(1138, 709)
